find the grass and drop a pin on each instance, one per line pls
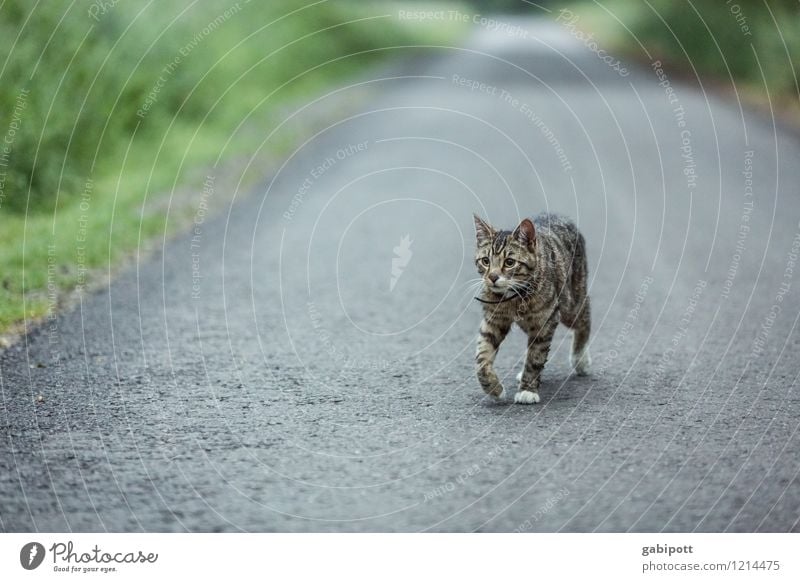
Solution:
(113, 139)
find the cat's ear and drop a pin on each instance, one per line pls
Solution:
(525, 233)
(483, 231)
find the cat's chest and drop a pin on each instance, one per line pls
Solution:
(533, 314)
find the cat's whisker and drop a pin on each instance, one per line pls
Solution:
(473, 288)
(525, 286)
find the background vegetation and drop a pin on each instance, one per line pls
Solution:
(107, 107)
(110, 107)
(712, 39)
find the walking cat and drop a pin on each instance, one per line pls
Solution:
(535, 277)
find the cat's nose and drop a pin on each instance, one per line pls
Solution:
(493, 277)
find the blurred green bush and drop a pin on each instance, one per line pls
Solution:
(79, 79)
(714, 37)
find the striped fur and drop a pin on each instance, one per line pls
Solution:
(535, 277)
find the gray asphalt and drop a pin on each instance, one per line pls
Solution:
(291, 387)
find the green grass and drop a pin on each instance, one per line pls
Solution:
(81, 127)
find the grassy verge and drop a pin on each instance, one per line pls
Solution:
(747, 45)
(115, 112)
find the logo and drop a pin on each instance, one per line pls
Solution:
(402, 255)
(31, 555)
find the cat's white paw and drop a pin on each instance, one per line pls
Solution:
(526, 397)
(496, 392)
(582, 363)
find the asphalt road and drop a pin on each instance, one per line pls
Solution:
(273, 374)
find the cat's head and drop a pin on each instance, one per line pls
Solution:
(505, 259)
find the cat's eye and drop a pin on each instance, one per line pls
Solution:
(510, 262)
(485, 261)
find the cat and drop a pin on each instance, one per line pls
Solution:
(534, 276)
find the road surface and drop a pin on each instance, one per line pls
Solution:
(303, 361)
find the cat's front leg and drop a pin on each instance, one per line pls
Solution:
(538, 347)
(493, 332)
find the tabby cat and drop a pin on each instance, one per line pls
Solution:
(535, 277)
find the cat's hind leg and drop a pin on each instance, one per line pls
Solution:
(581, 326)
